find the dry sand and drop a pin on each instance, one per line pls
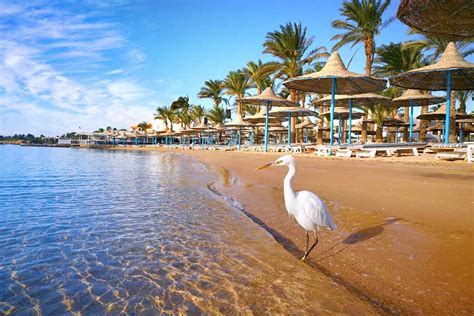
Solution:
(405, 228)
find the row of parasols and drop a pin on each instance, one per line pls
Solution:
(346, 88)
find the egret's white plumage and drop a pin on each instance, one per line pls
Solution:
(309, 210)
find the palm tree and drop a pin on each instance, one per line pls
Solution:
(216, 115)
(184, 118)
(143, 126)
(434, 47)
(363, 21)
(237, 83)
(293, 50)
(378, 113)
(181, 104)
(197, 113)
(165, 114)
(213, 89)
(259, 74)
(463, 96)
(396, 58)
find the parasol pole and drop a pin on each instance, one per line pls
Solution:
(448, 109)
(339, 130)
(349, 141)
(411, 120)
(333, 93)
(289, 128)
(266, 126)
(240, 135)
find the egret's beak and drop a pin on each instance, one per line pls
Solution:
(265, 166)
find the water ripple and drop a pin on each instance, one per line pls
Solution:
(97, 232)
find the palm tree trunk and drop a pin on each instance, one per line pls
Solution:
(294, 96)
(378, 134)
(363, 137)
(239, 108)
(406, 119)
(369, 53)
(423, 123)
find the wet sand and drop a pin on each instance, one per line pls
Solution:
(405, 228)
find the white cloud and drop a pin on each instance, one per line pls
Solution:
(54, 76)
(136, 56)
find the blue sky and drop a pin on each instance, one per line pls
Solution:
(65, 64)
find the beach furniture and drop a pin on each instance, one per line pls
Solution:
(335, 78)
(450, 72)
(342, 100)
(267, 98)
(374, 149)
(411, 98)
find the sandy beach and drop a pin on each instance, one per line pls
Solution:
(405, 226)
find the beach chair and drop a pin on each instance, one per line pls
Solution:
(470, 153)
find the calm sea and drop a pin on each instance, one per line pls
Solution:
(95, 232)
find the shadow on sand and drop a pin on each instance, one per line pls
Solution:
(368, 233)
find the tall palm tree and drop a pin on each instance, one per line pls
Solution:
(293, 50)
(378, 113)
(143, 126)
(212, 89)
(237, 83)
(197, 113)
(259, 74)
(363, 21)
(184, 118)
(463, 96)
(434, 46)
(165, 114)
(181, 104)
(216, 115)
(395, 58)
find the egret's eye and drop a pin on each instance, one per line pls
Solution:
(279, 162)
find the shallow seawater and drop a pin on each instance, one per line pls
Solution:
(94, 232)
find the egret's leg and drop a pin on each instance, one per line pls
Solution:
(307, 241)
(311, 248)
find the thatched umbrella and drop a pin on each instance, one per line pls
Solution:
(412, 97)
(361, 99)
(440, 114)
(397, 122)
(239, 122)
(343, 114)
(451, 72)
(306, 124)
(291, 111)
(335, 78)
(450, 19)
(268, 98)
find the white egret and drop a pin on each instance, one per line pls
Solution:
(309, 210)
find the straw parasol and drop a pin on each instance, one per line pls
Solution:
(291, 111)
(260, 117)
(450, 19)
(451, 72)
(440, 114)
(411, 98)
(267, 97)
(239, 122)
(306, 124)
(335, 78)
(343, 113)
(361, 99)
